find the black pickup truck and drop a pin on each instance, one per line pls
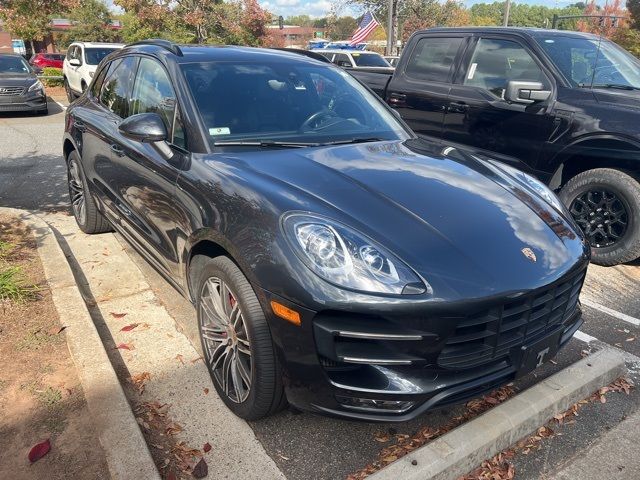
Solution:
(562, 106)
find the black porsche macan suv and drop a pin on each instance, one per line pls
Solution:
(335, 260)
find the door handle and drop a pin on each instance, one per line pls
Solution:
(80, 126)
(397, 100)
(117, 149)
(458, 107)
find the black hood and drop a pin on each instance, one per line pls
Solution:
(17, 80)
(455, 219)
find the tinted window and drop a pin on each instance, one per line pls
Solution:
(117, 85)
(97, 83)
(93, 56)
(432, 58)
(341, 57)
(496, 62)
(153, 93)
(287, 101)
(369, 60)
(10, 64)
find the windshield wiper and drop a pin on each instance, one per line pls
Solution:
(264, 144)
(610, 85)
(354, 140)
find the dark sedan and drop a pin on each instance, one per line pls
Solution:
(20, 89)
(335, 260)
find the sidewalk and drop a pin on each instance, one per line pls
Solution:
(613, 456)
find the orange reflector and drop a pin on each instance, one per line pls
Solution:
(285, 312)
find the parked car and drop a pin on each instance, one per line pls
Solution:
(20, 89)
(392, 59)
(80, 65)
(564, 106)
(356, 59)
(45, 60)
(334, 259)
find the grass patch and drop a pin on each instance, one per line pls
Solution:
(49, 397)
(5, 249)
(13, 286)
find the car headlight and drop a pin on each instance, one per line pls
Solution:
(349, 259)
(536, 185)
(36, 86)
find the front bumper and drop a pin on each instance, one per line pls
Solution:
(395, 367)
(25, 102)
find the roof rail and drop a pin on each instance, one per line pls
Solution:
(160, 42)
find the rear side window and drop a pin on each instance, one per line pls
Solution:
(432, 58)
(117, 86)
(97, 83)
(341, 58)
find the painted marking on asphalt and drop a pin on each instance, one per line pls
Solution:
(64, 107)
(609, 311)
(584, 337)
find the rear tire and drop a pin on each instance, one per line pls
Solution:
(67, 88)
(87, 216)
(253, 386)
(609, 199)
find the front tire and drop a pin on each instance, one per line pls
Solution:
(606, 205)
(87, 216)
(67, 88)
(236, 339)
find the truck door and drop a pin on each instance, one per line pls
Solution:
(420, 87)
(480, 112)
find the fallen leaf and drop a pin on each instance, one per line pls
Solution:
(207, 447)
(128, 328)
(125, 346)
(206, 391)
(173, 429)
(171, 476)
(117, 315)
(39, 450)
(140, 380)
(382, 437)
(180, 358)
(390, 458)
(201, 469)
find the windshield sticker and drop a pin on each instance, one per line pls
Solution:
(472, 71)
(219, 131)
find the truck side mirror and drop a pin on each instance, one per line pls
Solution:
(525, 92)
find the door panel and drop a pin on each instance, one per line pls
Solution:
(421, 92)
(477, 114)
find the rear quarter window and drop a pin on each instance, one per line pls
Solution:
(432, 58)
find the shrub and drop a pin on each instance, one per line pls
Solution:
(52, 72)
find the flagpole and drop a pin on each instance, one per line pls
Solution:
(390, 28)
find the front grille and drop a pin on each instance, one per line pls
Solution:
(489, 335)
(11, 91)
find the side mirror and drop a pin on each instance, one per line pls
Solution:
(75, 62)
(525, 92)
(144, 127)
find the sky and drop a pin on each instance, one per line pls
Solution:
(321, 8)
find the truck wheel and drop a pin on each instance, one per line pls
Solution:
(605, 203)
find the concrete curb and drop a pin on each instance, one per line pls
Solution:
(125, 449)
(465, 448)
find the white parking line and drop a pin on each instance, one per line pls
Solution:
(584, 337)
(64, 107)
(609, 311)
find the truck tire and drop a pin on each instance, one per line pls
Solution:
(605, 203)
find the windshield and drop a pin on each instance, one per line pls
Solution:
(93, 56)
(580, 61)
(287, 102)
(10, 64)
(369, 60)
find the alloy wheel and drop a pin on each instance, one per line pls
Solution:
(601, 215)
(224, 336)
(76, 192)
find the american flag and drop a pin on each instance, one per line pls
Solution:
(367, 25)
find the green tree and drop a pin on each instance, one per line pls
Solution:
(633, 6)
(89, 23)
(300, 20)
(29, 19)
(341, 28)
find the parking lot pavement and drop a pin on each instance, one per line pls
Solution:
(32, 176)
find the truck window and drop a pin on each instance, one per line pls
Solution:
(432, 58)
(496, 62)
(342, 60)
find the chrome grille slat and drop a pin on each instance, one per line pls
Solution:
(11, 91)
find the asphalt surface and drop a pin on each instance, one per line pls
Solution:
(305, 446)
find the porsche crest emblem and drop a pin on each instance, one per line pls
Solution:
(527, 252)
